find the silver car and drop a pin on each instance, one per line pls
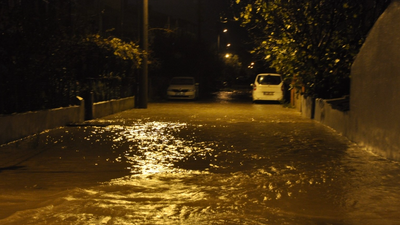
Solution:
(183, 88)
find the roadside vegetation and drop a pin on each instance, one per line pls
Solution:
(53, 51)
(313, 43)
(46, 61)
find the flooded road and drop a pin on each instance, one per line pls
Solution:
(196, 163)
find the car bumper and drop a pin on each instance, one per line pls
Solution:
(264, 97)
(181, 95)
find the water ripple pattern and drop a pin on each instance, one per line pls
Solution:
(218, 170)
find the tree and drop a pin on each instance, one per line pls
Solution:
(85, 60)
(47, 57)
(312, 42)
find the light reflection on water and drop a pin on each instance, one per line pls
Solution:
(219, 173)
(196, 178)
(154, 148)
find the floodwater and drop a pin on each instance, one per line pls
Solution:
(196, 163)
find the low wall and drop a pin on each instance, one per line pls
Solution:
(382, 141)
(337, 120)
(101, 109)
(16, 126)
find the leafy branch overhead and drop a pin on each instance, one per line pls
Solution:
(128, 51)
(311, 42)
(107, 57)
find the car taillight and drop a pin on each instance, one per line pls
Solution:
(254, 87)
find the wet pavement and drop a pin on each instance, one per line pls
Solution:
(216, 162)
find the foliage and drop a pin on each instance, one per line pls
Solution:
(45, 63)
(312, 42)
(92, 60)
(92, 57)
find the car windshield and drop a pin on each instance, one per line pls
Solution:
(182, 81)
(269, 79)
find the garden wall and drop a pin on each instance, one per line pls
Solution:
(101, 109)
(16, 126)
(336, 119)
(19, 125)
(382, 139)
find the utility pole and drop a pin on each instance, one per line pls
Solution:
(143, 81)
(100, 8)
(122, 8)
(199, 20)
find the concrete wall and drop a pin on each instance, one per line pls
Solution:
(375, 87)
(374, 117)
(16, 126)
(337, 120)
(307, 107)
(296, 99)
(101, 109)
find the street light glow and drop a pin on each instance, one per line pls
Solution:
(251, 66)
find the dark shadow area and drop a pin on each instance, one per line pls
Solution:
(341, 104)
(11, 168)
(267, 102)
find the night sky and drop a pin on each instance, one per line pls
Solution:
(211, 12)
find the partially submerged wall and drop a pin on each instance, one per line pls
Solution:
(16, 126)
(373, 120)
(337, 120)
(101, 109)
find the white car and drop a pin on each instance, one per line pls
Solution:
(183, 88)
(267, 87)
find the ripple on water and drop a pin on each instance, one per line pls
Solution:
(217, 174)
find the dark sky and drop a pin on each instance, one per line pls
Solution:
(210, 11)
(188, 9)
